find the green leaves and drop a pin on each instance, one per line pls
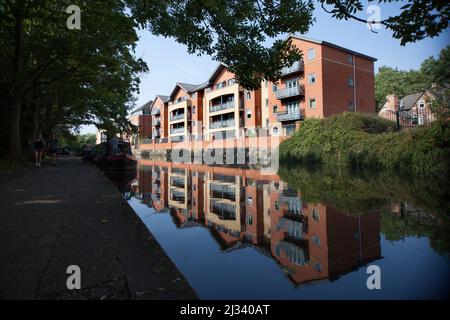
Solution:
(417, 20)
(231, 31)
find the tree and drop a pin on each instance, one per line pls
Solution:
(79, 76)
(393, 81)
(437, 70)
(72, 77)
(417, 20)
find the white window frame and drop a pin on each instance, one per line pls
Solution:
(312, 76)
(311, 54)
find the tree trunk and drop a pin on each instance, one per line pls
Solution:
(35, 116)
(15, 146)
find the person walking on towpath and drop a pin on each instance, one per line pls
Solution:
(39, 146)
(53, 148)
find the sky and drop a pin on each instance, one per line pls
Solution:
(169, 62)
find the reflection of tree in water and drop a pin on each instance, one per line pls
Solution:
(408, 206)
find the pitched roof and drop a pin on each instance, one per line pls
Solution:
(407, 102)
(188, 87)
(332, 45)
(146, 106)
(216, 73)
(163, 98)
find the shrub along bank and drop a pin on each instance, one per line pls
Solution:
(361, 141)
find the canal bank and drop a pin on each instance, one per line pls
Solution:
(71, 214)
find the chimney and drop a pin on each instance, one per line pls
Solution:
(393, 102)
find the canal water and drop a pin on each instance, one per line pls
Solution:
(301, 234)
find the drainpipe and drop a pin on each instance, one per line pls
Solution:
(354, 82)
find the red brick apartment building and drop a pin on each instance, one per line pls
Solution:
(328, 80)
(142, 119)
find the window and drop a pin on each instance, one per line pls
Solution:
(195, 188)
(315, 214)
(194, 95)
(231, 81)
(249, 114)
(193, 109)
(274, 88)
(275, 130)
(194, 123)
(248, 95)
(421, 104)
(311, 53)
(275, 109)
(350, 82)
(250, 219)
(311, 78)
(350, 59)
(267, 103)
(318, 266)
(312, 103)
(351, 105)
(267, 122)
(290, 129)
(249, 201)
(277, 205)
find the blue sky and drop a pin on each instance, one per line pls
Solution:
(169, 61)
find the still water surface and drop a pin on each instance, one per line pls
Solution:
(237, 234)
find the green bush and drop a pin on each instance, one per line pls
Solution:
(368, 142)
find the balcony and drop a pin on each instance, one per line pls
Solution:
(290, 92)
(224, 178)
(221, 85)
(177, 182)
(157, 123)
(175, 117)
(222, 124)
(179, 100)
(156, 112)
(223, 210)
(177, 130)
(177, 196)
(223, 192)
(296, 67)
(222, 106)
(291, 115)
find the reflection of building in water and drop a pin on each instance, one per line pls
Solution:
(315, 241)
(241, 207)
(223, 204)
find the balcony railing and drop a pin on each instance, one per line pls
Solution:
(222, 124)
(290, 115)
(156, 112)
(297, 66)
(221, 85)
(177, 182)
(290, 92)
(224, 178)
(179, 100)
(223, 211)
(157, 122)
(222, 106)
(176, 117)
(223, 192)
